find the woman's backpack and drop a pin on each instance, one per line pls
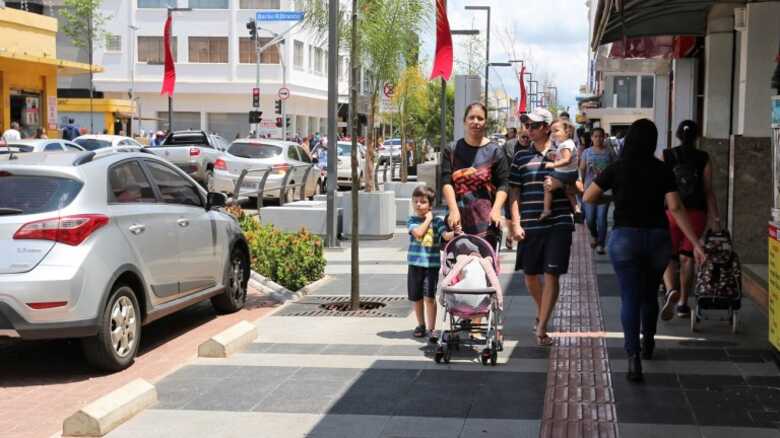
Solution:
(720, 276)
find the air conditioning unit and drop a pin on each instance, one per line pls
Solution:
(740, 19)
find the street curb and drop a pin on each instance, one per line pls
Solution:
(280, 293)
(229, 341)
(110, 411)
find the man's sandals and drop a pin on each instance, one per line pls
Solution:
(544, 340)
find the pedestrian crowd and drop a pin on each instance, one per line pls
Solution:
(533, 187)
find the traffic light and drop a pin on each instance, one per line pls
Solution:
(255, 98)
(252, 26)
(278, 122)
(255, 116)
(278, 106)
(287, 121)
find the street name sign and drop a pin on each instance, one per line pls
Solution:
(279, 16)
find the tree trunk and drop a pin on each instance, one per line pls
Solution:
(404, 150)
(368, 173)
(355, 249)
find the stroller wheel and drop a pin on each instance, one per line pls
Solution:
(695, 320)
(493, 354)
(485, 356)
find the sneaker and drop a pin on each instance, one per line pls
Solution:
(683, 311)
(667, 311)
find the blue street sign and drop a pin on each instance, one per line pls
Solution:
(279, 16)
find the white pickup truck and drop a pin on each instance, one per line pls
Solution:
(192, 151)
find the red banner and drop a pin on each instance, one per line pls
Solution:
(522, 107)
(442, 63)
(169, 78)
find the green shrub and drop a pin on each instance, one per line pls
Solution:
(290, 259)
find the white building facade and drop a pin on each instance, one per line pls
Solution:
(215, 66)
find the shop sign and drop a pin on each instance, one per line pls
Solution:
(774, 286)
(51, 112)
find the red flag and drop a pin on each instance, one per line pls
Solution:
(522, 108)
(442, 63)
(169, 78)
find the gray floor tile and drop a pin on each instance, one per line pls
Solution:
(651, 430)
(234, 394)
(302, 397)
(422, 427)
(477, 427)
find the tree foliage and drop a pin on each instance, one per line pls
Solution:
(77, 15)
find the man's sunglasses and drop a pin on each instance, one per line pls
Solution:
(534, 125)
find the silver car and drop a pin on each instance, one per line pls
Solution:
(95, 245)
(282, 157)
(192, 151)
(46, 145)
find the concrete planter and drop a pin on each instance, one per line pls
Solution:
(293, 218)
(403, 209)
(426, 173)
(402, 190)
(376, 215)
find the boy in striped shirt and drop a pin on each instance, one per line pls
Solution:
(426, 233)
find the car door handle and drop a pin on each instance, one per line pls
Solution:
(183, 223)
(137, 228)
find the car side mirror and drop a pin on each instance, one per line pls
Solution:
(215, 199)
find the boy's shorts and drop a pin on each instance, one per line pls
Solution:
(565, 177)
(421, 282)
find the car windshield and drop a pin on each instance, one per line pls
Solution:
(30, 194)
(392, 143)
(92, 144)
(254, 150)
(188, 138)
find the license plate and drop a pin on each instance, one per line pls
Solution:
(248, 185)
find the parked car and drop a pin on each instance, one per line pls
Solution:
(345, 163)
(390, 149)
(193, 151)
(46, 145)
(93, 246)
(119, 143)
(252, 153)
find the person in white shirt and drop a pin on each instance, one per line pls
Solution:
(564, 160)
(12, 134)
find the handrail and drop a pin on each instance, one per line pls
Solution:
(286, 185)
(260, 186)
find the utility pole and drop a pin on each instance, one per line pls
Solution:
(91, 76)
(333, 150)
(333, 97)
(284, 85)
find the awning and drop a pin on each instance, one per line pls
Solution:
(64, 68)
(616, 19)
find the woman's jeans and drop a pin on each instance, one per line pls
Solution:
(639, 256)
(596, 217)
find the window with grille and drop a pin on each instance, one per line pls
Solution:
(212, 50)
(156, 4)
(259, 4)
(209, 4)
(113, 43)
(318, 60)
(246, 51)
(150, 49)
(298, 54)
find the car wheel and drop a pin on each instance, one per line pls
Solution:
(119, 332)
(236, 279)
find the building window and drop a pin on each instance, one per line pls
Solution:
(298, 5)
(298, 55)
(212, 50)
(259, 4)
(209, 4)
(246, 51)
(647, 91)
(318, 60)
(150, 50)
(156, 4)
(113, 43)
(625, 90)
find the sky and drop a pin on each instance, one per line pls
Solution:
(552, 33)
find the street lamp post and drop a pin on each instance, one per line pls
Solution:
(487, 44)
(170, 98)
(498, 64)
(131, 92)
(333, 98)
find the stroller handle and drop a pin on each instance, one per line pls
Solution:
(465, 291)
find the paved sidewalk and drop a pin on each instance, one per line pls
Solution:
(44, 382)
(320, 376)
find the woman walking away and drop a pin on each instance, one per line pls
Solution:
(593, 162)
(692, 169)
(639, 245)
(474, 172)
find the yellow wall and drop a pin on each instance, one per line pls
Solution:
(26, 76)
(25, 32)
(106, 106)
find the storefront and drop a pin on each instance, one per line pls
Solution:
(28, 72)
(113, 116)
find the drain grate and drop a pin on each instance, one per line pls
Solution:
(337, 305)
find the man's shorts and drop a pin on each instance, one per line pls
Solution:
(421, 282)
(680, 244)
(545, 252)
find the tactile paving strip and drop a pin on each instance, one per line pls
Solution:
(579, 401)
(394, 307)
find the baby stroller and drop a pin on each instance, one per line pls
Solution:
(718, 280)
(469, 289)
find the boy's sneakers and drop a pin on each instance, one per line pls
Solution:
(683, 311)
(419, 331)
(667, 311)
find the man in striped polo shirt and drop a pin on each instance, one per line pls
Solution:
(545, 245)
